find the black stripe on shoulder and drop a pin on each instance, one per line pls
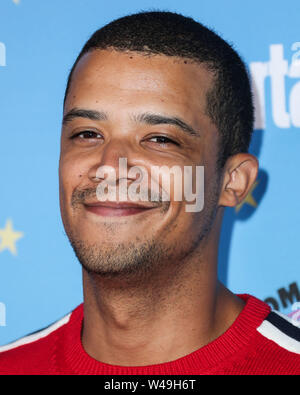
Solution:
(39, 330)
(284, 326)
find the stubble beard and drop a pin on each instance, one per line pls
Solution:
(130, 259)
(139, 259)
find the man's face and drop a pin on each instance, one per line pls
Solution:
(151, 111)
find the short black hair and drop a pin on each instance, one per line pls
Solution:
(229, 102)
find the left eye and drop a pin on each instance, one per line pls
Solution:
(163, 140)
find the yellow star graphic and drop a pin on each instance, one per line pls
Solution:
(9, 237)
(249, 199)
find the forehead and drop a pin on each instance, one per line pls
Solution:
(123, 77)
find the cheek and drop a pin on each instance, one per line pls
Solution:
(70, 172)
(70, 176)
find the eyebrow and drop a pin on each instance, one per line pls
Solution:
(157, 119)
(84, 113)
(147, 118)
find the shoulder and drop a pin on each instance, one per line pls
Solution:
(32, 353)
(270, 341)
(282, 330)
(279, 342)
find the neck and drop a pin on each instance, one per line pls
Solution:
(135, 323)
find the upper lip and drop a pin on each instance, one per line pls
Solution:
(119, 205)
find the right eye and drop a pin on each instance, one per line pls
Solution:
(86, 135)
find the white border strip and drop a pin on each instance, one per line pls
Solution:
(38, 335)
(272, 333)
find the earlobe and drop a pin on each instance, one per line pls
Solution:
(240, 172)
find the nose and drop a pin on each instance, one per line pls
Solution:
(114, 159)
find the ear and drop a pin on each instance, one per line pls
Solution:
(239, 174)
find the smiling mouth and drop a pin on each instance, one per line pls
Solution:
(117, 209)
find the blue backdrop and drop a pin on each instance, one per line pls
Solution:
(40, 278)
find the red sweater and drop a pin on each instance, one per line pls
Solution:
(258, 342)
